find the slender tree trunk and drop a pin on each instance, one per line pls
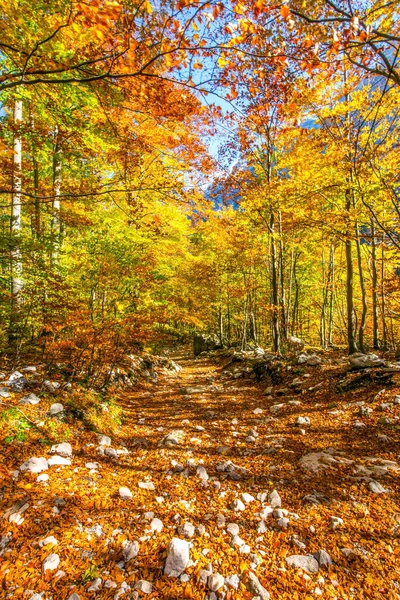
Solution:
(275, 292)
(363, 292)
(289, 302)
(282, 274)
(15, 225)
(332, 294)
(351, 341)
(56, 222)
(374, 267)
(383, 300)
(324, 302)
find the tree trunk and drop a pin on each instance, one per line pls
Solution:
(275, 293)
(363, 292)
(332, 294)
(15, 225)
(56, 222)
(375, 317)
(352, 346)
(282, 274)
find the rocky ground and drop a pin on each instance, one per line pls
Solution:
(214, 486)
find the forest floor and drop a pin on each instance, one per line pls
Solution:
(344, 501)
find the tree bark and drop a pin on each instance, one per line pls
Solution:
(375, 317)
(56, 221)
(363, 292)
(15, 225)
(351, 341)
(275, 292)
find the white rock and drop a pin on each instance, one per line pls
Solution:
(275, 499)
(178, 557)
(64, 449)
(130, 550)
(187, 529)
(144, 586)
(363, 361)
(215, 581)
(35, 465)
(201, 472)
(51, 386)
(58, 461)
(56, 409)
(125, 493)
(17, 381)
(30, 399)
(247, 498)
(233, 581)
(237, 505)
(336, 522)
(50, 563)
(104, 440)
(146, 485)
(255, 587)
(48, 540)
(307, 563)
(96, 585)
(256, 411)
(156, 525)
(109, 584)
(42, 477)
(302, 421)
(74, 596)
(233, 528)
(376, 487)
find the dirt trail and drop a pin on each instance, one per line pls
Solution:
(226, 452)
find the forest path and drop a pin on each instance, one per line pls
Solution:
(196, 460)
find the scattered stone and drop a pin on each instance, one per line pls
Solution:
(64, 449)
(275, 499)
(177, 558)
(30, 399)
(233, 581)
(111, 452)
(147, 485)
(358, 360)
(215, 581)
(17, 381)
(4, 392)
(42, 478)
(50, 563)
(385, 406)
(187, 529)
(156, 525)
(144, 586)
(307, 563)
(56, 409)
(365, 411)
(51, 386)
(74, 596)
(323, 559)
(125, 493)
(247, 498)
(58, 461)
(201, 472)
(237, 505)
(104, 440)
(256, 411)
(35, 465)
(300, 421)
(130, 550)
(96, 585)
(48, 540)
(233, 529)
(336, 522)
(255, 587)
(376, 487)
